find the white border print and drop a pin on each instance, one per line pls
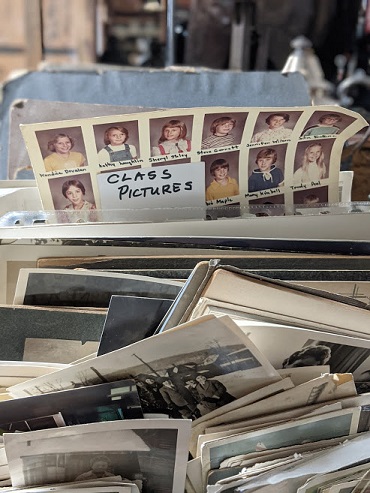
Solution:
(154, 452)
(190, 128)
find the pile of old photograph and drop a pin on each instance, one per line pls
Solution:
(224, 382)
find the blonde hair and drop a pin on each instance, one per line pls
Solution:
(319, 162)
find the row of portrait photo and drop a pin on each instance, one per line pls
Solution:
(246, 154)
(266, 169)
(119, 142)
(265, 172)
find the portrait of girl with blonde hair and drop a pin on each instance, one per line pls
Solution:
(313, 167)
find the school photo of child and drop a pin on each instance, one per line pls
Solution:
(74, 194)
(62, 148)
(269, 170)
(221, 176)
(171, 135)
(117, 142)
(222, 130)
(312, 161)
(272, 126)
(322, 124)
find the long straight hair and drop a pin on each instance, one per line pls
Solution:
(319, 162)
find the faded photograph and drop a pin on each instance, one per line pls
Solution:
(221, 175)
(340, 357)
(75, 196)
(326, 124)
(62, 148)
(272, 126)
(149, 453)
(221, 130)
(266, 168)
(117, 142)
(105, 402)
(171, 136)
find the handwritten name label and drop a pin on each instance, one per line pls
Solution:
(168, 157)
(217, 150)
(52, 173)
(263, 193)
(119, 164)
(271, 142)
(314, 137)
(304, 186)
(70, 171)
(223, 201)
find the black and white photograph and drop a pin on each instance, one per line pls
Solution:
(242, 292)
(131, 319)
(150, 453)
(299, 347)
(186, 372)
(104, 402)
(340, 357)
(63, 287)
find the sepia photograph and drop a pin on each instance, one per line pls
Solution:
(288, 303)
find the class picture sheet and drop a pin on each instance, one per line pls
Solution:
(197, 158)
